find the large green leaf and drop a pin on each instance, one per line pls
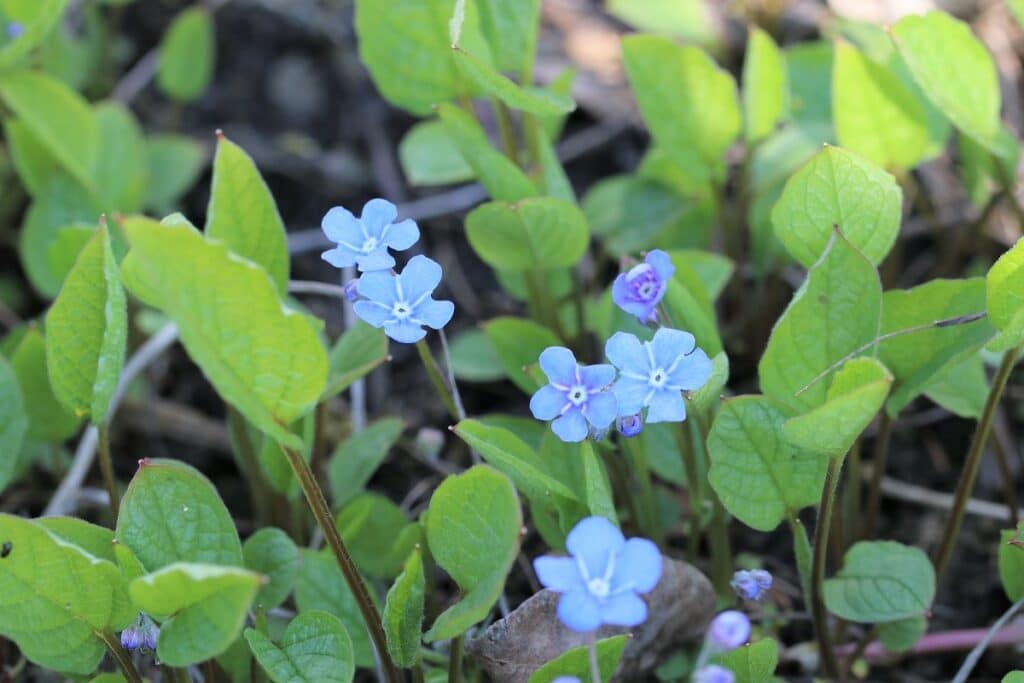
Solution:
(687, 101)
(955, 71)
(51, 589)
(765, 90)
(321, 586)
(542, 233)
(187, 54)
(13, 423)
(243, 215)
(1004, 298)
(511, 31)
(403, 612)
(756, 472)
(838, 190)
(87, 330)
(272, 552)
(95, 540)
(48, 421)
(262, 357)
(315, 647)
(205, 606)
(356, 353)
(37, 19)
(356, 458)
(576, 662)
(524, 98)
(172, 513)
(473, 532)
(881, 581)
(834, 313)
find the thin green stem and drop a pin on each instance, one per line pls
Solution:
(121, 657)
(693, 483)
(455, 661)
(820, 550)
(965, 485)
(718, 530)
(506, 130)
(434, 373)
(802, 552)
(878, 461)
(107, 469)
(318, 505)
(649, 518)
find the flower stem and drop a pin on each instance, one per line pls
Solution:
(650, 523)
(965, 485)
(434, 373)
(820, 550)
(107, 469)
(455, 661)
(595, 669)
(123, 659)
(318, 505)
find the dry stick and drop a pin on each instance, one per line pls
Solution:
(970, 472)
(821, 532)
(972, 658)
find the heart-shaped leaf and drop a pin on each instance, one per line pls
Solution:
(315, 647)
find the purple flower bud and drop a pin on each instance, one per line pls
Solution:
(640, 289)
(352, 289)
(14, 29)
(150, 634)
(728, 631)
(630, 425)
(713, 674)
(751, 584)
(566, 679)
(131, 638)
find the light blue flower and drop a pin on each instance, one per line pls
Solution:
(402, 304)
(602, 581)
(751, 584)
(364, 241)
(630, 425)
(566, 679)
(728, 631)
(640, 289)
(576, 394)
(654, 374)
(714, 673)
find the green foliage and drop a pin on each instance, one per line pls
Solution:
(356, 353)
(174, 163)
(321, 586)
(273, 554)
(429, 158)
(378, 534)
(14, 422)
(98, 541)
(576, 662)
(187, 54)
(315, 647)
(121, 174)
(37, 19)
(474, 358)
(511, 31)
(528, 99)
(48, 421)
(881, 581)
(962, 388)
(765, 90)
(356, 458)
(403, 612)
(1011, 565)
(1004, 298)
(753, 662)
(518, 342)
(902, 635)
(541, 233)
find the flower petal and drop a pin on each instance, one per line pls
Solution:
(638, 566)
(340, 256)
(594, 540)
(434, 314)
(373, 313)
(405, 332)
(661, 263)
(559, 365)
(597, 377)
(624, 609)
(378, 286)
(669, 344)
(692, 372)
(377, 213)
(666, 406)
(579, 611)
(630, 394)
(419, 277)
(339, 225)
(401, 236)
(571, 427)
(602, 409)
(378, 259)
(558, 573)
(547, 403)
(626, 352)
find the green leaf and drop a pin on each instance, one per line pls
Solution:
(753, 662)
(33, 161)
(982, 172)
(876, 115)
(87, 330)
(690, 21)
(713, 270)
(356, 458)
(48, 421)
(1004, 298)
(96, 540)
(321, 586)
(121, 174)
(687, 101)
(500, 176)
(357, 352)
(881, 581)
(833, 314)
(809, 69)
(14, 422)
(511, 31)
(59, 118)
(1011, 566)
(243, 215)
(518, 343)
(403, 613)
(429, 157)
(955, 71)
(272, 553)
(962, 388)
(758, 475)
(378, 535)
(187, 54)
(765, 90)
(315, 647)
(902, 635)
(473, 532)
(262, 357)
(542, 233)
(174, 163)
(205, 606)
(474, 358)
(1014, 676)
(689, 308)
(48, 587)
(596, 485)
(64, 250)
(552, 177)
(838, 189)
(172, 513)
(524, 98)
(858, 391)
(37, 20)
(576, 662)
(916, 359)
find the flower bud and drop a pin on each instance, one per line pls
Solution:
(728, 631)
(630, 425)
(751, 584)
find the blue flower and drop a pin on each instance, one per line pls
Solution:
(728, 631)
(600, 583)
(364, 241)
(15, 29)
(566, 679)
(654, 374)
(713, 674)
(402, 304)
(751, 584)
(142, 633)
(575, 396)
(630, 425)
(640, 289)
(131, 638)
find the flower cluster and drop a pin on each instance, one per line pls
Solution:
(399, 303)
(142, 634)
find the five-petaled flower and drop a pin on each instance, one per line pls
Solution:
(728, 631)
(602, 581)
(364, 241)
(751, 584)
(576, 394)
(654, 374)
(640, 289)
(402, 304)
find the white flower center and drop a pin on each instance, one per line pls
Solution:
(369, 245)
(657, 378)
(401, 310)
(599, 587)
(577, 395)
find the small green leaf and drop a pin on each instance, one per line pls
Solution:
(1014, 676)
(962, 388)
(838, 190)
(1011, 565)
(172, 513)
(121, 174)
(315, 647)
(955, 71)
(524, 98)
(33, 161)
(64, 250)
(403, 613)
(187, 54)
(356, 458)
(272, 553)
(174, 163)
(321, 586)
(758, 475)
(429, 157)
(473, 530)
(542, 233)
(262, 357)
(87, 330)
(881, 581)
(596, 485)
(378, 534)
(809, 70)
(37, 20)
(765, 90)
(48, 421)
(13, 423)
(474, 358)
(753, 662)
(511, 31)
(518, 343)
(1004, 298)
(902, 635)
(205, 606)
(357, 352)
(576, 662)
